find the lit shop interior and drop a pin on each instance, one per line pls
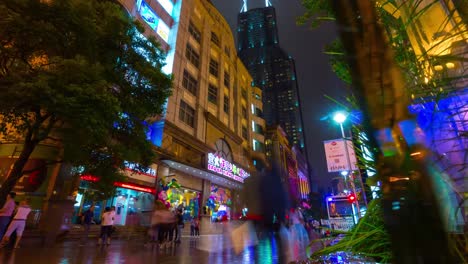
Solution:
(130, 201)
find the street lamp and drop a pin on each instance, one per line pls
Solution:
(340, 118)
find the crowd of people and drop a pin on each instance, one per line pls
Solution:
(166, 226)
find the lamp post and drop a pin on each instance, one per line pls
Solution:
(340, 118)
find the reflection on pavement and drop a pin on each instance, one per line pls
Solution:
(205, 249)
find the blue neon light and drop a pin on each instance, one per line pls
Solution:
(148, 15)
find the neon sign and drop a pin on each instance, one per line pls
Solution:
(90, 178)
(221, 166)
(134, 187)
(133, 167)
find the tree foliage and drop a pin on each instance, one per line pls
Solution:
(78, 74)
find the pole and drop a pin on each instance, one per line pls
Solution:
(353, 187)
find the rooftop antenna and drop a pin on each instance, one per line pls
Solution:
(244, 6)
(268, 3)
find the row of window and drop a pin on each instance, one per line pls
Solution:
(196, 34)
(187, 115)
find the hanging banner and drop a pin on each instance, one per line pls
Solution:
(337, 158)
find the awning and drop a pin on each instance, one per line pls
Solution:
(204, 174)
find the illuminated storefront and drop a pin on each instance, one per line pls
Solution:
(132, 199)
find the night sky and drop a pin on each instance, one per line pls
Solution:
(314, 74)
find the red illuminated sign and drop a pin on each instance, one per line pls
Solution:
(135, 187)
(90, 178)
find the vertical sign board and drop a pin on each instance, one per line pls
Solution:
(337, 159)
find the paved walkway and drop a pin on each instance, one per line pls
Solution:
(205, 249)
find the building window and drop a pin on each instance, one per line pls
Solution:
(245, 133)
(227, 51)
(226, 104)
(214, 68)
(244, 93)
(192, 55)
(190, 83)
(215, 39)
(257, 145)
(213, 94)
(227, 79)
(187, 114)
(193, 30)
(244, 112)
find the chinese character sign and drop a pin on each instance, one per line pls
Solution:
(221, 166)
(335, 152)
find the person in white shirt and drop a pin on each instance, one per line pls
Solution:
(18, 223)
(106, 225)
(112, 213)
(6, 212)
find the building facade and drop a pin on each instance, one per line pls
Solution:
(272, 69)
(290, 163)
(211, 136)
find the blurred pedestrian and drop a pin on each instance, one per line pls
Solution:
(164, 220)
(7, 212)
(106, 226)
(197, 227)
(18, 223)
(87, 220)
(299, 235)
(192, 227)
(180, 225)
(112, 228)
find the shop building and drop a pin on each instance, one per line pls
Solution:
(290, 162)
(211, 137)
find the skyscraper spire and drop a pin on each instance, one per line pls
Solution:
(244, 6)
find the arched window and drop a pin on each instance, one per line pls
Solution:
(223, 149)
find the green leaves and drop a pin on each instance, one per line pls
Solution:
(69, 69)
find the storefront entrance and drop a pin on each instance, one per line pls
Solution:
(130, 205)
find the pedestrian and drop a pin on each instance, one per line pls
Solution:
(87, 220)
(166, 220)
(7, 212)
(299, 235)
(180, 225)
(106, 226)
(192, 227)
(197, 227)
(18, 223)
(112, 229)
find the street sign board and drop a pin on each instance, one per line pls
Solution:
(337, 158)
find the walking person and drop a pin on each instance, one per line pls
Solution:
(87, 220)
(18, 223)
(106, 226)
(112, 228)
(180, 225)
(7, 212)
(299, 235)
(197, 227)
(192, 227)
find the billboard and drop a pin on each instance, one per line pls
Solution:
(337, 158)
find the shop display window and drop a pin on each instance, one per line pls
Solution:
(219, 203)
(130, 205)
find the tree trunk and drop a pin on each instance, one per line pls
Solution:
(17, 171)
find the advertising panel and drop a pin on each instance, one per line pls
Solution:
(221, 166)
(337, 158)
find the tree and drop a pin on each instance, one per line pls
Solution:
(78, 74)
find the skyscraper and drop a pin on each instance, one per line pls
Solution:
(272, 69)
